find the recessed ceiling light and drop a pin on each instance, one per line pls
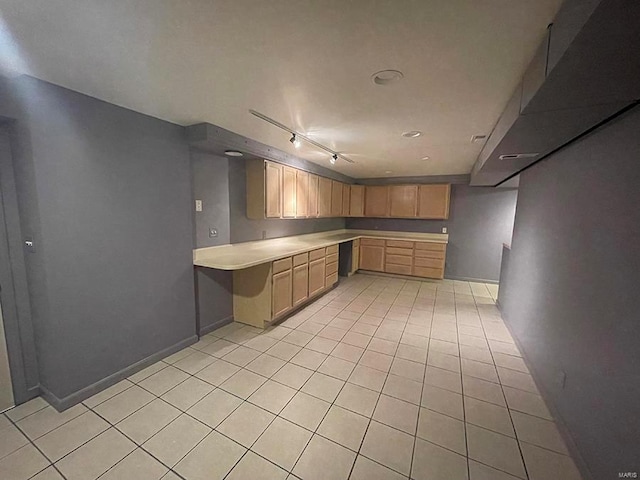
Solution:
(478, 138)
(388, 171)
(386, 77)
(412, 134)
(233, 153)
(425, 158)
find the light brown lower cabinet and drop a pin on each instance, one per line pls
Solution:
(372, 254)
(282, 298)
(316, 276)
(402, 257)
(300, 284)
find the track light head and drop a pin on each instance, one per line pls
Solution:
(295, 140)
(333, 159)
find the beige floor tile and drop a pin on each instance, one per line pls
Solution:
(477, 354)
(336, 367)
(293, 376)
(409, 352)
(539, 432)
(261, 343)
(283, 350)
(305, 410)
(147, 372)
(252, 466)
(417, 341)
(442, 430)
(149, 420)
(386, 333)
(365, 469)
(308, 359)
(179, 355)
(481, 370)
(342, 323)
(212, 459)
(218, 372)
(45, 420)
(483, 390)
(203, 342)
(388, 446)
(124, 404)
(347, 352)
(22, 463)
(444, 361)
(186, 394)
(519, 380)
(173, 442)
(4, 421)
(11, 439)
(544, 464)
(311, 327)
(503, 347)
(241, 356)
(106, 394)
(442, 401)
(298, 337)
(397, 414)
(443, 347)
(510, 361)
(243, 334)
(246, 424)
(431, 462)
(368, 377)
(356, 339)
(445, 379)
(379, 361)
(194, 362)
(215, 407)
(49, 473)
(138, 465)
(38, 403)
(383, 346)
(163, 381)
(489, 416)
(364, 329)
(220, 348)
(322, 345)
(313, 464)
(358, 399)
(408, 369)
(332, 333)
(478, 471)
(95, 457)
(495, 450)
(282, 443)
(272, 396)
(323, 387)
(243, 383)
(66, 438)
(344, 427)
(526, 402)
(265, 365)
(403, 388)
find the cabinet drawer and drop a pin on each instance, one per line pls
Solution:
(398, 259)
(331, 268)
(399, 244)
(281, 265)
(331, 279)
(429, 254)
(301, 259)
(399, 269)
(315, 254)
(428, 262)
(331, 258)
(428, 272)
(374, 242)
(434, 247)
(399, 251)
(332, 249)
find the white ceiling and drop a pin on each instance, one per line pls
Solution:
(306, 63)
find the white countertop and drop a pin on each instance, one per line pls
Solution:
(248, 254)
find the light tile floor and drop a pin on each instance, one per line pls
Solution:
(382, 378)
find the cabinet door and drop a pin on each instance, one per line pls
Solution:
(376, 201)
(403, 201)
(316, 276)
(433, 201)
(281, 293)
(288, 192)
(372, 258)
(355, 255)
(273, 190)
(336, 199)
(346, 193)
(324, 197)
(302, 194)
(300, 283)
(313, 195)
(356, 201)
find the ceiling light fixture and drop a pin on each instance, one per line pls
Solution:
(387, 77)
(233, 153)
(296, 141)
(478, 138)
(298, 136)
(425, 158)
(412, 134)
(333, 159)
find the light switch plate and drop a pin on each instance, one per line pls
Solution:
(198, 205)
(444, 229)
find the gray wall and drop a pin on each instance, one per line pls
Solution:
(106, 194)
(480, 221)
(572, 299)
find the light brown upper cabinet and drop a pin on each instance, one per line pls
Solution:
(336, 198)
(346, 191)
(356, 201)
(376, 201)
(313, 195)
(264, 189)
(288, 192)
(302, 194)
(403, 201)
(324, 197)
(433, 201)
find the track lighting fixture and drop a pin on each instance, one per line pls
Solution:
(296, 141)
(333, 159)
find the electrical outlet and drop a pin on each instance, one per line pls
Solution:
(198, 205)
(444, 229)
(213, 233)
